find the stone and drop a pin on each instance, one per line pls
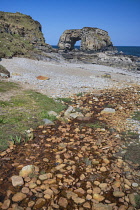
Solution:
(47, 196)
(39, 203)
(132, 199)
(27, 170)
(87, 205)
(48, 122)
(116, 184)
(98, 197)
(32, 185)
(101, 206)
(122, 207)
(78, 200)
(88, 197)
(82, 177)
(92, 39)
(31, 203)
(52, 113)
(63, 202)
(103, 169)
(135, 184)
(25, 190)
(49, 192)
(43, 177)
(96, 190)
(103, 186)
(118, 194)
(80, 192)
(4, 72)
(18, 197)
(59, 167)
(43, 78)
(6, 204)
(108, 111)
(71, 194)
(17, 181)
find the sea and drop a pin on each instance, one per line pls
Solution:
(126, 50)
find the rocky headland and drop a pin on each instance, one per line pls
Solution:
(88, 158)
(21, 36)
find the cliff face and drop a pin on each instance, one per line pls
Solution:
(19, 34)
(92, 39)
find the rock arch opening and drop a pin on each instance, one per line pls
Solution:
(77, 44)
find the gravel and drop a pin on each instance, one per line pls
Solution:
(67, 79)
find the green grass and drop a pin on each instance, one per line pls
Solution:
(6, 86)
(23, 112)
(136, 115)
(94, 125)
(66, 100)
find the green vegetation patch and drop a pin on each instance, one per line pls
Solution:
(7, 86)
(136, 115)
(23, 112)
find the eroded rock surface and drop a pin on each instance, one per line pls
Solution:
(92, 39)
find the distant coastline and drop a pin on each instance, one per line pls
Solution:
(126, 50)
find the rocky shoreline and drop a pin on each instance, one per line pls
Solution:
(63, 79)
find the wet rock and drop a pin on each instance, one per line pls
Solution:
(82, 177)
(18, 197)
(49, 192)
(45, 176)
(80, 192)
(63, 202)
(101, 206)
(27, 170)
(32, 185)
(103, 186)
(78, 200)
(39, 203)
(25, 190)
(132, 199)
(116, 184)
(96, 190)
(98, 197)
(118, 194)
(59, 167)
(31, 203)
(6, 204)
(87, 205)
(108, 111)
(103, 169)
(17, 181)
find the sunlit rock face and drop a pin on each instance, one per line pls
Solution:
(92, 39)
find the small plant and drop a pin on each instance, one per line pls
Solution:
(66, 100)
(79, 94)
(16, 139)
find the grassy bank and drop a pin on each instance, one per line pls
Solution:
(23, 111)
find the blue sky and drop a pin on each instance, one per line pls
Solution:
(121, 18)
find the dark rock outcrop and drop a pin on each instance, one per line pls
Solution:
(92, 39)
(20, 35)
(4, 72)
